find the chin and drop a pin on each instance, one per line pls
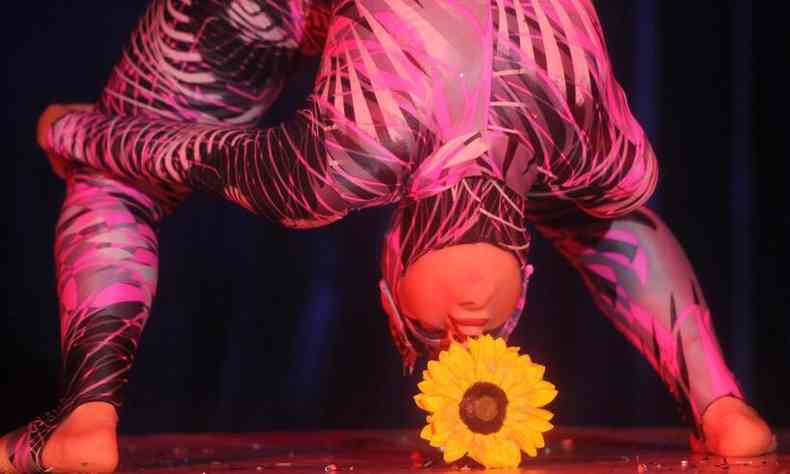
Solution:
(471, 331)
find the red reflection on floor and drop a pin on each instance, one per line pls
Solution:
(569, 450)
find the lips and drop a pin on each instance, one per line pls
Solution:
(480, 322)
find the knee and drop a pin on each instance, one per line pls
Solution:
(642, 222)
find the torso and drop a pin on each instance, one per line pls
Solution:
(513, 89)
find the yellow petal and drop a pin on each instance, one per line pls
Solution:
(484, 375)
(482, 450)
(530, 449)
(541, 413)
(491, 349)
(538, 439)
(507, 370)
(477, 448)
(499, 346)
(447, 418)
(510, 454)
(502, 452)
(536, 424)
(440, 373)
(523, 436)
(508, 380)
(429, 387)
(457, 445)
(486, 363)
(526, 377)
(535, 372)
(459, 352)
(525, 406)
(504, 449)
(541, 397)
(431, 403)
(427, 433)
(445, 378)
(458, 371)
(513, 358)
(473, 347)
(525, 360)
(439, 437)
(437, 442)
(483, 348)
(518, 419)
(520, 389)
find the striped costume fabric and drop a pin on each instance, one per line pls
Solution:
(212, 62)
(475, 117)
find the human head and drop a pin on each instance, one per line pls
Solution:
(464, 289)
(453, 258)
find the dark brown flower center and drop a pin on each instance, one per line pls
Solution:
(483, 408)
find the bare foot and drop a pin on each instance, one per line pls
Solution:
(733, 429)
(86, 441)
(5, 465)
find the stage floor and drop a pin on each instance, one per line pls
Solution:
(570, 450)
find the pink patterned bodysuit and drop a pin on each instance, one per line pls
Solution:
(476, 117)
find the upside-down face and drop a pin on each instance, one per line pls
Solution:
(461, 290)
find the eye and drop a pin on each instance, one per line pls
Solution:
(425, 330)
(431, 332)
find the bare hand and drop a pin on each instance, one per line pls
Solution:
(45, 121)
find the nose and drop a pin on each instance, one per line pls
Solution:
(474, 292)
(470, 313)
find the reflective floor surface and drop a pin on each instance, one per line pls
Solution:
(569, 450)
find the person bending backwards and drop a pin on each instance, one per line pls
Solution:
(478, 118)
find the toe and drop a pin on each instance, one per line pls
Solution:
(741, 434)
(5, 463)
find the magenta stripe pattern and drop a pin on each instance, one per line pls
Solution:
(475, 118)
(203, 61)
(641, 279)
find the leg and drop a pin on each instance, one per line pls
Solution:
(205, 61)
(106, 256)
(642, 280)
(211, 62)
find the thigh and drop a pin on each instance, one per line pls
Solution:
(208, 61)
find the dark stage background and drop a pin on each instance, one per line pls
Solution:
(259, 328)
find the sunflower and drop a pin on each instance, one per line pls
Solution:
(484, 399)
